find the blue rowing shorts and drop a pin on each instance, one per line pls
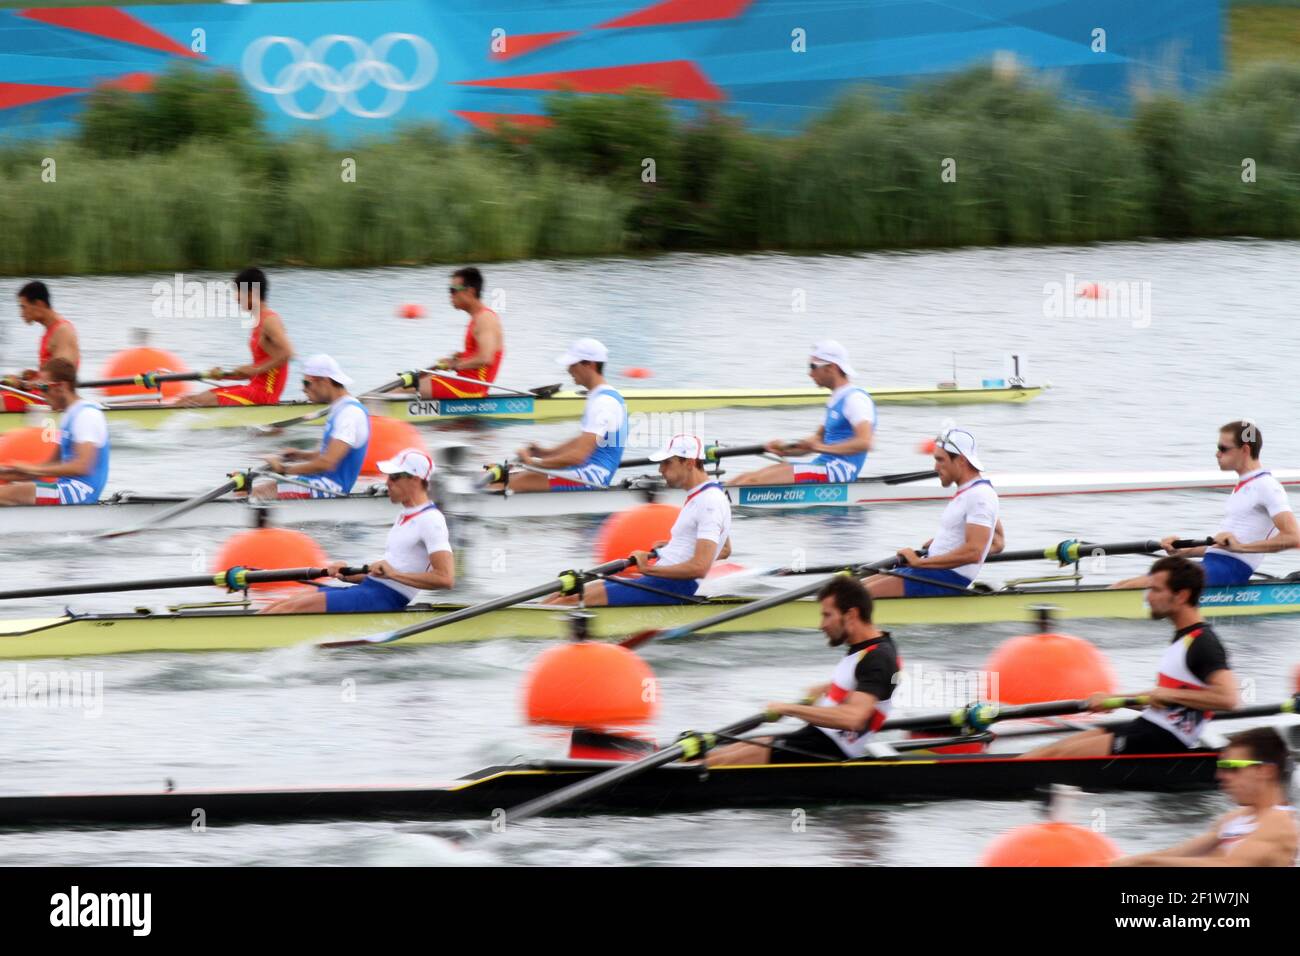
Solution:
(620, 595)
(916, 582)
(369, 595)
(1222, 570)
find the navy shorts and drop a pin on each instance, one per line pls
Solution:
(618, 594)
(369, 595)
(916, 582)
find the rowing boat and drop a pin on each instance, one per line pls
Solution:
(528, 408)
(458, 497)
(226, 628)
(676, 787)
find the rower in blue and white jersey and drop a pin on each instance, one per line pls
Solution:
(1257, 519)
(842, 441)
(77, 471)
(969, 528)
(589, 459)
(700, 536)
(334, 467)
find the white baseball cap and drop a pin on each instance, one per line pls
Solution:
(324, 366)
(408, 461)
(828, 350)
(681, 446)
(958, 441)
(584, 350)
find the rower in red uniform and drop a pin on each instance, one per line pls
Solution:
(269, 345)
(480, 358)
(1255, 773)
(1193, 680)
(848, 709)
(58, 341)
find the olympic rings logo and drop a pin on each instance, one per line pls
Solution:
(827, 494)
(370, 65)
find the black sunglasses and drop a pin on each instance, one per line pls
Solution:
(453, 289)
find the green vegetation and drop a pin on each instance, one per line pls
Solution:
(183, 178)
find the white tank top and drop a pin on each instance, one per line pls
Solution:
(1239, 827)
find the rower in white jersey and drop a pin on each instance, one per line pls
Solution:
(589, 459)
(417, 558)
(1257, 519)
(700, 536)
(334, 467)
(842, 441)
(969, 528)
(1255, 773)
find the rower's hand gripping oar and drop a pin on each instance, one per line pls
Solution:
(689, 746)
(232, 579)
(239, 481)
(754, 607)
(980, 716)
(567, 582)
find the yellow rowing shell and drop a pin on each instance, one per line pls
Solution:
(228, 629)
(519, 408)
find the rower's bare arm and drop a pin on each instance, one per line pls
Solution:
(853, 713)
(999, 538)
(726, 550)
(977, 535)
(80, 464)
(696, 567)
(333, 454)
(573, 452)
(487, 332)
(1287, 537)
(441, 575)
(1198, 846)
(1221, 694)
(275, 342)
(861, 441)
(63, 344)
(1168, 545)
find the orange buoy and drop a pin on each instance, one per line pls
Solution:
(1050, 844)
(723, 568)
(143, 359)
(926, 447)
(388, 436)
(637, 372)
(270, 549)
(1090, 290)
(411, 310)
(1038, 667)
(28, 446)
(636, 529)
(588, 684)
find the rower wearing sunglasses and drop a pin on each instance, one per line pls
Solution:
(1193, 680)
(333, 468)
(1257, 519)
(1255, 773)
(480, 358)
(844, 438)
(969, 529)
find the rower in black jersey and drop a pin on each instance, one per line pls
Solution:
(1193, 681)
(848, 709)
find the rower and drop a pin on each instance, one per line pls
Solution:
(484, 342)
(332, 469)
(700, 536)
(589, 459)
(969, 528)
(1192, 682)
(1257, 519)
(850, 708)
(268, 344)
(77, 472)
(1255, 772)
(842, 441)
(417, 558)
(58, 341)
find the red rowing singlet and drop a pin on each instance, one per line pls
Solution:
(44, 354)
(487, 374)
(264, 389)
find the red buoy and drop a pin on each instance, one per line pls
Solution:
(636, 529)
(590, 684)
(270, 549)
(388, 436)
(137, 361)
(1050, 844)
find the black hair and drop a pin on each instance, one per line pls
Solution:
(848, 593)
(35, 291)
(255, 279)
(1184, 575)
(1266, 744)
(471, 277)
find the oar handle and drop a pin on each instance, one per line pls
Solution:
(237, 578)
(712, 453)
(979, 716)
(150, 380)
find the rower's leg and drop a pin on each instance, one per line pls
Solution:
(593, 595)
(1090, 743)
(781, 474)
(740, 753)
(526, 481)
(206, 399)
(18, 493)
(265, 489)
(884, 585)
(1144, 581)
(310, 603)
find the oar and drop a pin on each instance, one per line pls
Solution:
(238, 480)
(150, 380)
(1063, 552)
(689, 746)
(712, 453)
(232, 579)
(18, 391)
(744, 610)
(404, 379)
(979, 716)
(1289, 706)
(566, 581)
(543, 391)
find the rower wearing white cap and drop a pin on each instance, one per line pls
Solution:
(592, 456)
(842, 441)
(700, 536)
(333, 468)
(418, 556)
(969, 529)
